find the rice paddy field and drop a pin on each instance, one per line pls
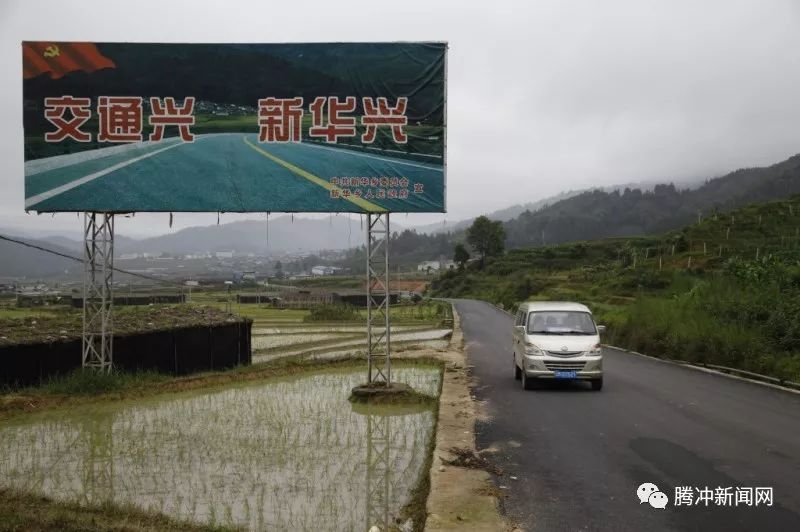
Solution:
(288, 453)
(288, 333)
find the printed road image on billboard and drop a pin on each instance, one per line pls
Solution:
(323, 127)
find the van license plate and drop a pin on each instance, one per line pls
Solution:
(566, 374)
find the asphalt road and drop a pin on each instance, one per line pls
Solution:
(579, 456)
(229, 172)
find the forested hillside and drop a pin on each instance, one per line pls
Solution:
(598, 214)
(724, 290)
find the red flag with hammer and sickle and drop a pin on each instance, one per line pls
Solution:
(59, 58)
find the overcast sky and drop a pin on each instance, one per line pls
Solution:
(543, 96)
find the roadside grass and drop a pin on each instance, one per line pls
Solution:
(34, 513)
(87, 382)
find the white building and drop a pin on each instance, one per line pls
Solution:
(435, 265)
(224, 254)
(319, 271)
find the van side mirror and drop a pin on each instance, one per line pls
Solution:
(520, 328)
(601, 329)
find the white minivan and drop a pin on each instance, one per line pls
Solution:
(557, 340)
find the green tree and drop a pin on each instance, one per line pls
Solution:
(279, 270)
(460, 255)
(486, 237)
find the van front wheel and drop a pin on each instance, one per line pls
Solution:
(597, 384)
(517, 371)
(527, 382)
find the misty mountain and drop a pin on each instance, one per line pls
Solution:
(509, 213)
(633, 212)
(19, 261)
(277, 236)
(502, 215)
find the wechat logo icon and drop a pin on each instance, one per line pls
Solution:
(649, 493)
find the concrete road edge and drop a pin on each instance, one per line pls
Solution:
(460, 498)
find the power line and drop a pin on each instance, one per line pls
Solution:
(78, 259)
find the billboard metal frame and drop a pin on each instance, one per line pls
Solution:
(379, 332)
(98, 294)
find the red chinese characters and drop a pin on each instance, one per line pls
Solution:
(383, 115)
(120, 118)
(169, 114)
(55, 110)
(338, 125)
(280, 119)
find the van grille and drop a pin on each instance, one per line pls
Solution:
(565, 353)
(564, 365)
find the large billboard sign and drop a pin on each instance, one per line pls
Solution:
(323, 127)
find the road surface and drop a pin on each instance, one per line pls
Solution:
(229, 172)
(580, 455)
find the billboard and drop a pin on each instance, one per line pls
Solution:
(151, 127)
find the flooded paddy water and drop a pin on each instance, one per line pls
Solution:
(281, 454)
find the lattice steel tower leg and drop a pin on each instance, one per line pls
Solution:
(378, 471)
(98, 295)
(379, 360)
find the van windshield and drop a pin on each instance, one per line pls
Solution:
(561, 322)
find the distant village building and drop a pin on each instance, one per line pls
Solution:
(192, 283)
(435, 265)
(249, 276)
(224, 254)
(319, 271)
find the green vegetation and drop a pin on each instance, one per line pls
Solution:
(332, 313)
(725, 290)
(460, 255)
(63, 323)
(596, 214)
(486, 237)
(86, 382)
(235, 402)
(27, 512)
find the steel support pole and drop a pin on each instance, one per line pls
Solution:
(98, 296)
(378, 471)
(379, 362)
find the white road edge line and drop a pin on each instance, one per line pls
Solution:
(368, 156)
(705, 370)
(33, 200)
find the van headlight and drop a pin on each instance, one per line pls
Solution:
(533, 351)
(595, 351)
